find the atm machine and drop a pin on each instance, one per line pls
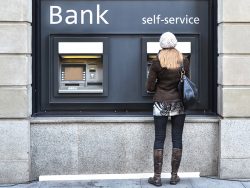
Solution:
(80, 67)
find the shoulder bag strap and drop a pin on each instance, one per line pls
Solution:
(182, 70)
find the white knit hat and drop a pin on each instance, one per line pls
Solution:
(168, 40)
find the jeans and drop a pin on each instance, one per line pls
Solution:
(160, 130)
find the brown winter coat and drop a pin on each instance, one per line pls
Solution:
(164, 82)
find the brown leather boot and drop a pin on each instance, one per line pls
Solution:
(158, 158)
(175, 163)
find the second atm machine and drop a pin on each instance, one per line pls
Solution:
(80, 67)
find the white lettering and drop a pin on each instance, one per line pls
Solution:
(171, 20)
(196, 20)
(190, 20)
(100, 16)
(186, 19)
(149, 20)
(72, 17)
(182, 20)
(83, 16)
(158, 19)
(166, 20)
(55, 14)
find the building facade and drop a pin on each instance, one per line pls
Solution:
(39, 138)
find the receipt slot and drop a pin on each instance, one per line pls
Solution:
(80, 67)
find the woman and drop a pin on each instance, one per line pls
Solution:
(163, 79)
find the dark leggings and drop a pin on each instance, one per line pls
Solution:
(160, 130)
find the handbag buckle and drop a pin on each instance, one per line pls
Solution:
(182, 72)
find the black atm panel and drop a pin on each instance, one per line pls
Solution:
(80, 81)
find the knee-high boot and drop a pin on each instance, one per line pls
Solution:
(158, 159)
(175, 163)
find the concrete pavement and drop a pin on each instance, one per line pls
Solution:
(136, 183)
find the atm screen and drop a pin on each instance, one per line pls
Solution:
(150, 59)
(73, 73)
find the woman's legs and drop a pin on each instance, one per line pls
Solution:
(160, 135)
(160, 131)
(177, 130)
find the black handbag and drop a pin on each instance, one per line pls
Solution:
(187, 89)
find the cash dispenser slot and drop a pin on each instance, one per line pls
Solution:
(81, 67)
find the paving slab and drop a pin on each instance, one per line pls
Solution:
(117, 183)
(24, 185)
(81, 184)
(214, 183)
(246, 184)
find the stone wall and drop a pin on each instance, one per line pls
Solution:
(234, 87)
(61, 146)
(15, 90)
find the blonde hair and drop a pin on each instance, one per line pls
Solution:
(170, 58)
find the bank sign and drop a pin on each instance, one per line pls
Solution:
(100, 17)
(123, 16)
